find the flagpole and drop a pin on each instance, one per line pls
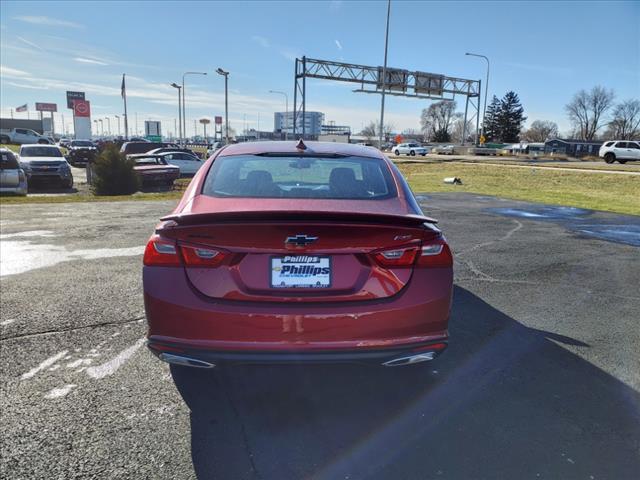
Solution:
(126, 119)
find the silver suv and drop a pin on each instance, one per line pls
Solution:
(620, 150)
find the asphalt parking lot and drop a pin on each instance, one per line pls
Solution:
(541, 379)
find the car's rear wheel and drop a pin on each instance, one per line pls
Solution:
(609, 157)
(622, 161)
(412, 153)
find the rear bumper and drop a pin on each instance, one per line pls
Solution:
(154, 179)
(184, 321)
(207, 359)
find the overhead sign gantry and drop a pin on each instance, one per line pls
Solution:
(398, 82)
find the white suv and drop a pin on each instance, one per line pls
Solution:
(620, 150)
(410, 149)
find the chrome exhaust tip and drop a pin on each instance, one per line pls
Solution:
(411, 359)
(184, 361)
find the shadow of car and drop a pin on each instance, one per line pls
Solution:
(504, 401)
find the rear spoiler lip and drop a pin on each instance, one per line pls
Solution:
(196, 218)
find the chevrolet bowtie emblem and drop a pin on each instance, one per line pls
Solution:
(300, 240)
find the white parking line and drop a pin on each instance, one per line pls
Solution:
(47, 363)
(110, 367)
(60, 392)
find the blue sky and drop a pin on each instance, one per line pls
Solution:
(545, 51)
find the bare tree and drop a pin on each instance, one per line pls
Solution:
(436, 121)
(372, 129)
(586, 110)
(458, 130)
(541, 131)
(625, 123)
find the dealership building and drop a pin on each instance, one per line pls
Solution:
(283, 122)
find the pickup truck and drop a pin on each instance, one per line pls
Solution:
(22, 136)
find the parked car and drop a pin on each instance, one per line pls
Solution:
(308, 253)
(213, 147)
(410, 149)
(172, 149)
(45, 163)
(22, 136)
(443, 150)
(64, 142)
(620, 150)
(129, 148)
(188, 163)
(81, 152)
(154, 170)
(12, 177)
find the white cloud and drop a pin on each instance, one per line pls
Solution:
(289, 54)
(9, 72)
(89, 60)
(338, 44)
(42, 20)
(31, 44)
(264, 42)
(28, 87)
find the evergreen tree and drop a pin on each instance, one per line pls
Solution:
(510, 118)
(491, 127)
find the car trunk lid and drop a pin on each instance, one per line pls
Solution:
(277, 254)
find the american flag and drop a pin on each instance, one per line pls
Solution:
(22, 108)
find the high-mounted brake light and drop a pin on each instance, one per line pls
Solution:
(161, 253)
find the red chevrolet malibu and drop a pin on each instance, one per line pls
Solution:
(285, 252)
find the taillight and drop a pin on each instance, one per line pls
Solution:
(196, 256)
(435, 253)
(161, 253)
(397, 257)
(21, 176)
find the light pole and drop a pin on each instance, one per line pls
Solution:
(101, 127)
(486, 89)
(96, 123)
(178, 87)
(118, 117)
(286, 110)
(220, 71)
(184, 94)
(108, 125)
(384, 76)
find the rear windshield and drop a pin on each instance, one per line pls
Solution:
(299, 177)
(8, 161)
(40, 152)
(81, 143)
(150, 161)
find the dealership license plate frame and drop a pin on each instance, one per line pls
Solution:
(321, 258)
